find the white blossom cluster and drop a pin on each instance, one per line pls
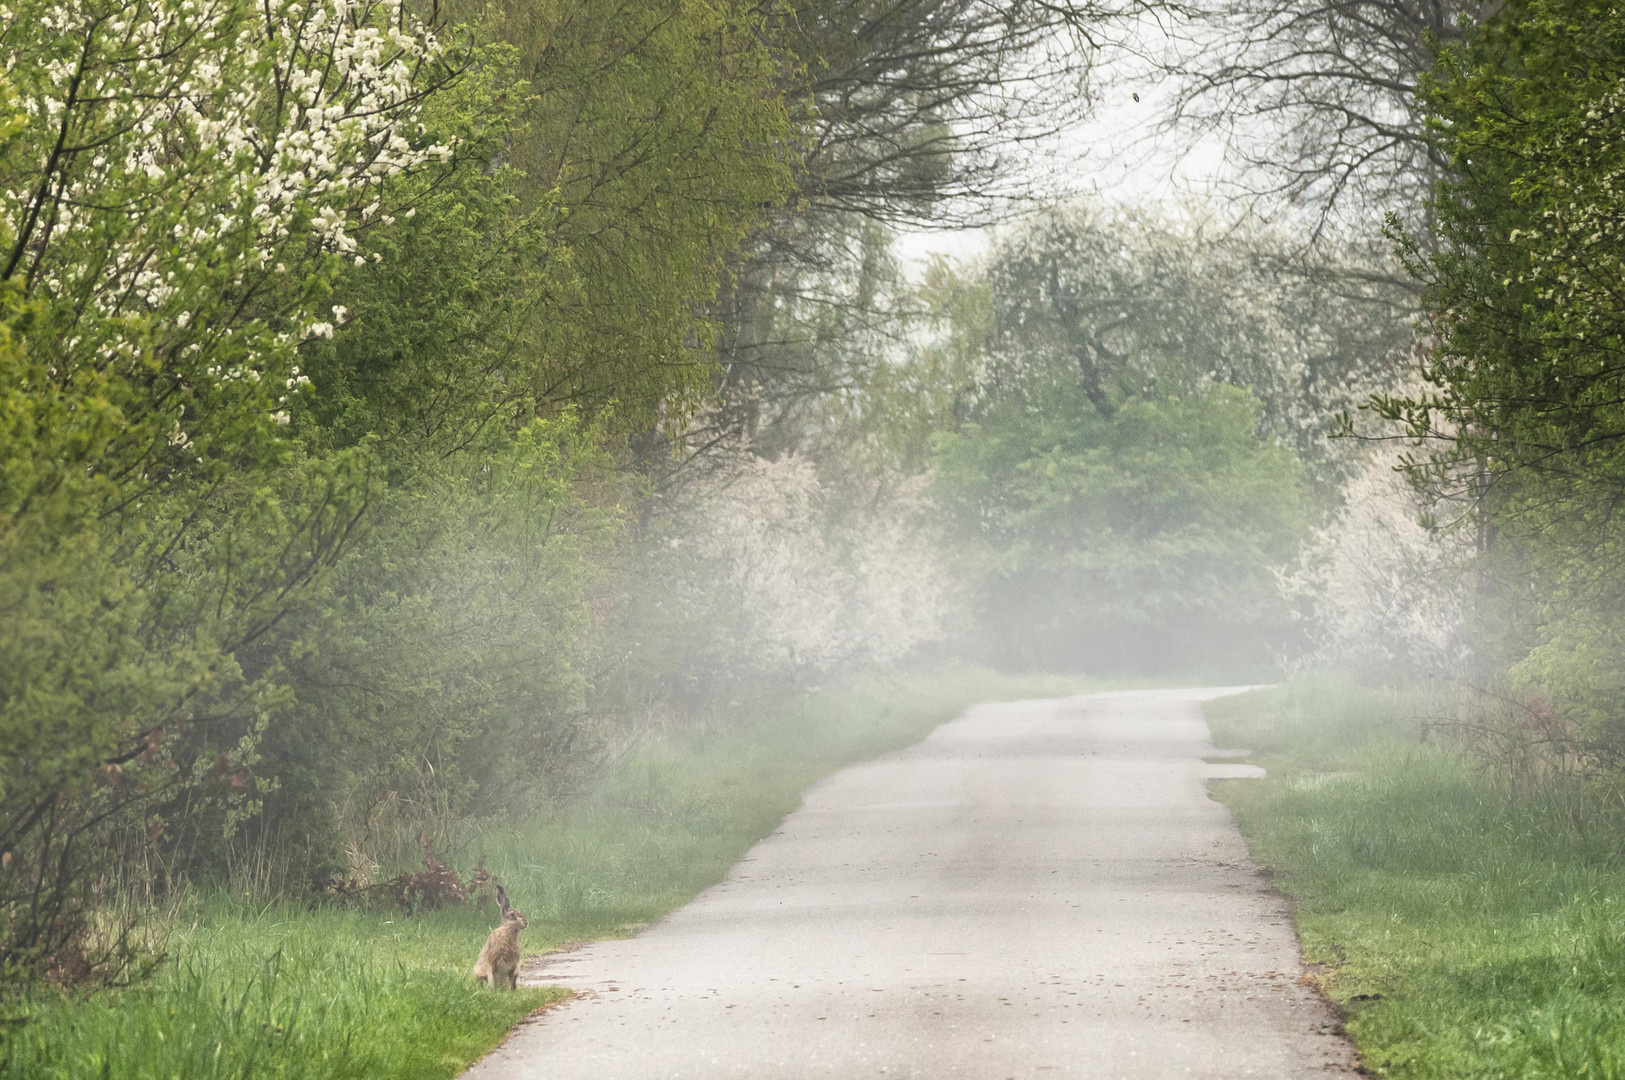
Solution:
(807, 590)
(1577, 248)
(181, 153)
(1382, 590)
(1181, 302)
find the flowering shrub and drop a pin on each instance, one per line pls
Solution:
(1381, 591)
(180, 183)
(764, 570)
(185, 170)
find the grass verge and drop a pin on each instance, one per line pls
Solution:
(1466, 930)
(291, 991)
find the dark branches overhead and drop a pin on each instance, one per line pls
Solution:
(1316, 99)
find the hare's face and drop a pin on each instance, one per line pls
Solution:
(514, 919)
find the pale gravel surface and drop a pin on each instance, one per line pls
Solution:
(1041, 889)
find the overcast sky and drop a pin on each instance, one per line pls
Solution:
(1116, 156)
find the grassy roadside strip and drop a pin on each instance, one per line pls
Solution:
(1465, 930)
(287, 990)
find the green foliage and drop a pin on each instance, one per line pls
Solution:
(306, 495)
(662, 133)
(440, 344)
(1145, 537)
(443, 665)
(282, 991)
(59, 590)
(1464, 931)
(154, 520)
(1126, 418)
(1522, 413)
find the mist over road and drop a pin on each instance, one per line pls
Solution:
(1040, 889)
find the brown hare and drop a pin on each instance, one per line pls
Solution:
(498, 965)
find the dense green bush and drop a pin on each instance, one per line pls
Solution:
(1522, 415)
(1140, 538)
(308, 423)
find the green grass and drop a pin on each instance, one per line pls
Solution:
(287, 990)
(1466, 930)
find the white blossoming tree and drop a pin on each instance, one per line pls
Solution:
(187, 174)
(764, 570)
(179, 183)
(1381, 591)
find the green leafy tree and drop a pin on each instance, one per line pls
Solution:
(662, 133)
(553, 304)
(1144, 538)
(1522, 414)
(183, 185)
(1118, 414)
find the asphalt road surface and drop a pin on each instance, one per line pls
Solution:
(1041, 889)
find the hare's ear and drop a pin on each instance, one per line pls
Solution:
(502, 900)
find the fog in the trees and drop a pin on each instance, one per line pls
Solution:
(404, 412)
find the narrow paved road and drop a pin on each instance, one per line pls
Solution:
(1036, 890)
